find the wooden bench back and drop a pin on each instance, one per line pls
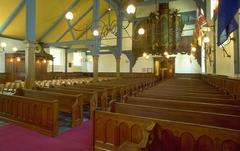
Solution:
(111, 130)
(72, 104)
(38, 114)
(186, 105)
(204, 118)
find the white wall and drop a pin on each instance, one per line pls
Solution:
(142, 64)
(107, 63)
(183, 64)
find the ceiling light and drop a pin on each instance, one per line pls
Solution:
(3, 44)
(131, 9)
(14, 49)
(168, 56)
(165, 53)
(18, 59)
(206, 39)
(44, 61)
(141, 31)
(144, 54)
(69, 16)
(95, 33)
(193, 49)
(147, 57)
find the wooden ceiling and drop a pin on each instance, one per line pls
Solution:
(47, 13)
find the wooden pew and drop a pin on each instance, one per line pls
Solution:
(190, 98)
(88, 97)
(185, 105)
(102, 94)
(196, 117)
(38, 114)
(72, 104)
(113, 130)
(196, 94)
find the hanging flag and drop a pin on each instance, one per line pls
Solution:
(226, 22)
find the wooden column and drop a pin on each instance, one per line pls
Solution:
(118, 60)
(30, 65)
(95, 68)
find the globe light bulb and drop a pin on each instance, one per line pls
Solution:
(165, 53)
(131, 9)
(141, 31)
(3, 44)
(206, 39)
(18, 59)
(193, 49)
(69, 16)
(147, 57)
(95, 33)
(14, 49)
(144, 54)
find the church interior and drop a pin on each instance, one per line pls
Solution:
(119, 75)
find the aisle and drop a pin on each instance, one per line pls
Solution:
(14, 138)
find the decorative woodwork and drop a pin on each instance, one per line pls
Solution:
(225, 84)
(37, 114)
(169, 135)
(67, 103)
(162, 33)
(15, 65)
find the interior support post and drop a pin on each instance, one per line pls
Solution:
(97, 41)
(30, 44)
(66, 60)
(30, 65)
(118, 60)
(95, 68)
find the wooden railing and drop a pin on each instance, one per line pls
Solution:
(112, 130)
(37, 114)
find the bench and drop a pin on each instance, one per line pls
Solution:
(38, 114)
(188, 116)
(67, 103)
(185, 105)
(112, 130)
(88, 97)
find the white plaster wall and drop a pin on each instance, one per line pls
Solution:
(183, 64)
(143, 64)
(225, 65)
(107, 63)
(74, 68)
(10, 44)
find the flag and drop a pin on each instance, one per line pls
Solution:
(226, 21)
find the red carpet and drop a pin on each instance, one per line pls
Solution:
(14, 138)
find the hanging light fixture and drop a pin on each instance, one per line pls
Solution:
(95, 32)
(131, 9)
(44, 61)
(144, 54)
(166, 53)
(193, 49)
(69, 16)
(141, 31)
(18, 59)
(14, 49)
(206, 39)
(3, 46)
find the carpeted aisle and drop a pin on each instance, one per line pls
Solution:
(14, 138)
